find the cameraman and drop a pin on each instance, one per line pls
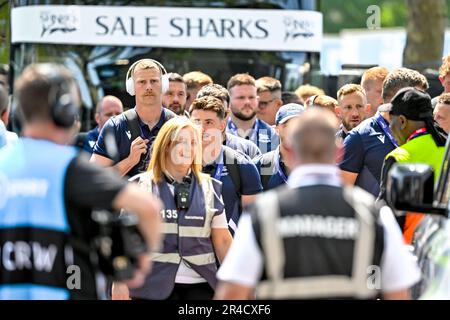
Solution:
(48, 193)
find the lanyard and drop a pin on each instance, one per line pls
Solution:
(232, 127)
(385, 127)
(234, 130)
(219, 167)
(278, 165)
(417, 133)
(255, 134)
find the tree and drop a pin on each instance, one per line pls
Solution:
(425, 34)
(345, 14)
(4, 32)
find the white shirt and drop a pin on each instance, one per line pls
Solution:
(244, 261)
(312, 174)
(185, 274)
(11, 137)
(2, 134)
(7, 138)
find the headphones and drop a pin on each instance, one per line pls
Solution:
(129, 82)
(311, 101)
(63, 110)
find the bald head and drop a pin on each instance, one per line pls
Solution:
(4, 101)
(107, 107)
(312, 136)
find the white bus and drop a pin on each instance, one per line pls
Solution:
(99, 40)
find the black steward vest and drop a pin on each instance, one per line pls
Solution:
(315, 250)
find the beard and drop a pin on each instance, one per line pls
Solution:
(244, 117)
(176, 108)
(350, 125)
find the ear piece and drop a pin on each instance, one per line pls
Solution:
(64, 112)
(311, 101)
(164, 83)
(129, 82)
(63, 109)
(62, 102)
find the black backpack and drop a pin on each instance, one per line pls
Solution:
(231, 162)
(266, 161)
(135, 130)
(80, 140)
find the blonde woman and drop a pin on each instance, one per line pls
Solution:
(195, 226)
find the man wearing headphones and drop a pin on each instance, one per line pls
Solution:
(135, 130)
(48, 192)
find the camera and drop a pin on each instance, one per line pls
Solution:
(182, 195)
(118, 244)
(181, 191)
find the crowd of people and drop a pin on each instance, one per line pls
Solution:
(245, 191)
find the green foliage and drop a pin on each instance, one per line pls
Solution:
(344, 14)
(4, 32)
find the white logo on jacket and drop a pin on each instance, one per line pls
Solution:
(25, 188)
(381, 138)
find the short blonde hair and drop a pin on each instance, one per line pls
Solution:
(326, 102)
(444, 98)
(350, 88)
(268, 84)
(305, 91)
(241, 79)
(373, 74)
(196, 79)
(168, 134)
(444, 69)
(145, 64)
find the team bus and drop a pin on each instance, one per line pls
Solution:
(99, 40)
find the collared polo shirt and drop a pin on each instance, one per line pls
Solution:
(119, 127)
